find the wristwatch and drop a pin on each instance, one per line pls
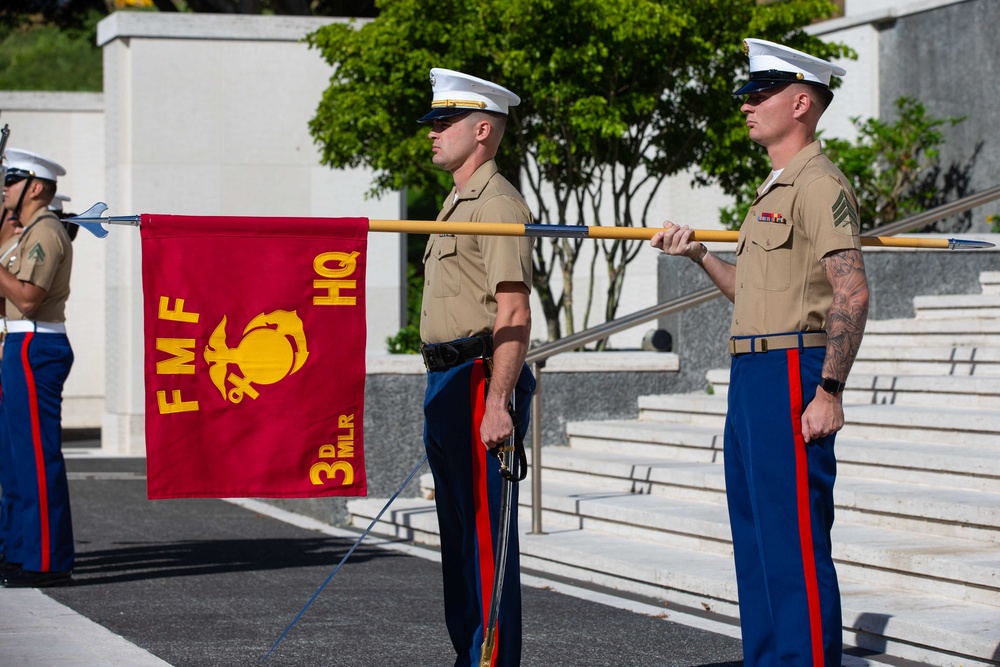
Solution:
(701, 255)
(831, 385)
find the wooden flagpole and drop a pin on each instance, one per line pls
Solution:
(632, 233)
(93, 220)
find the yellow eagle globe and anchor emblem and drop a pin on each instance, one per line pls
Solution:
(272, 348)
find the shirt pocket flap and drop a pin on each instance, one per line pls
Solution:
(445, 247)
(771, 235)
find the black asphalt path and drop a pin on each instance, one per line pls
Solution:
(203, 583)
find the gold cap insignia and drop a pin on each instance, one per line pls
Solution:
(746, 48)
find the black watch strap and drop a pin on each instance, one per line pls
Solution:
(831, 385)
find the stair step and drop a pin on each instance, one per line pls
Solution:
(950, 512)
(684, 442)
(961, 355)
(990, 280)
(959, 569)
(648, 469)
(659, 519)
(959, 426)
(921, 332)
(962, 306)
(928, 510)
(980, 392)
(917, 327)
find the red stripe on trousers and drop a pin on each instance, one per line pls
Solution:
(36, 441)
(804, 513)
(484, 531)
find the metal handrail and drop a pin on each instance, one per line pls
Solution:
(537, 357)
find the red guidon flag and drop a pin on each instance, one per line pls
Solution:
(255, 356)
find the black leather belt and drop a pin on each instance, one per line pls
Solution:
(442, 356)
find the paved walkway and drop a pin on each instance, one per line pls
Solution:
(209, 582)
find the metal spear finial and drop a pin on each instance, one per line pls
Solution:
(92, 220)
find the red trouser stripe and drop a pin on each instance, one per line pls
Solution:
(805, 515)
(484, 531)
(36, 441)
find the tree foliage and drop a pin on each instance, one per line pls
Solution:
(617, 96)
(893, 166)
(50, 53)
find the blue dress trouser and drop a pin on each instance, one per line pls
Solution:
(36, 523)
(467, 486)
(780, 495)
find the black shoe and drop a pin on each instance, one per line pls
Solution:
(6, 567)
(29, 579)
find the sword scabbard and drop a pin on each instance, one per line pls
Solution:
(486, 658)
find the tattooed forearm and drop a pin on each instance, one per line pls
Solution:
(845, 324)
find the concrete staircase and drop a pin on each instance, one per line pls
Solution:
(639, 506)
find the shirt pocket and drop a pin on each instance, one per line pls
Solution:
(447, 272)
(771, 256)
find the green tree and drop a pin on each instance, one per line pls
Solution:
(407, 339)
(54, 51)
(893, 166)
(617, 96)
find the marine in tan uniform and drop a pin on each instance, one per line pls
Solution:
(800, 300)
(35, 523)
(475, 324)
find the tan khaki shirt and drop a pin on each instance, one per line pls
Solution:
(807, 213)
(44, 258)
(461, 272)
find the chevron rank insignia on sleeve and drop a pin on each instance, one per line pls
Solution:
(37, 253)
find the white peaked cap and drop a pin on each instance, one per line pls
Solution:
(457, 93)
(773, 65)
(57, 202)
(25, 163)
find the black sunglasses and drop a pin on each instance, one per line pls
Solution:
(12, 179)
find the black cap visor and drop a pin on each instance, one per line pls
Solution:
(772, 78)
(443, 112)
(13, 176)
(757, 86)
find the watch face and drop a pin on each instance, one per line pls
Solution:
(832, 386)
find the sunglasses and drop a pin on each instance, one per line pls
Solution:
(12, 179)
